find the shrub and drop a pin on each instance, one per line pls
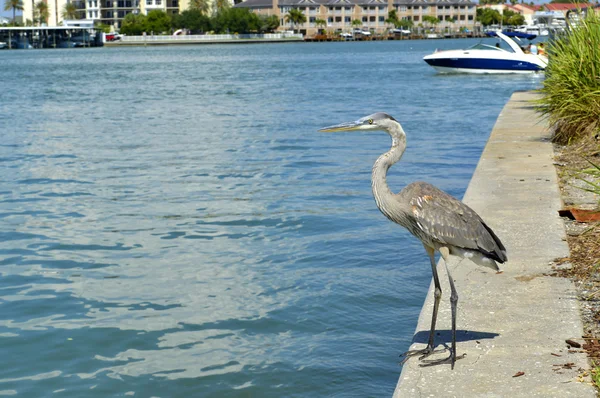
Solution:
(571, 90)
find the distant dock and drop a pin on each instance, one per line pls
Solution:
(154, 40)
(50, 37)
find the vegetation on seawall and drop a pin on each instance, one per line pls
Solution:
(571, 102)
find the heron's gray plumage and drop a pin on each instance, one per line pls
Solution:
(440, 221)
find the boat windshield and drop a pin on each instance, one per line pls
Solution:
(483, 46)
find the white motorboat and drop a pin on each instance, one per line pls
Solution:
(485, 58)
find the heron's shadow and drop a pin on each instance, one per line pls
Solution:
(445, 336)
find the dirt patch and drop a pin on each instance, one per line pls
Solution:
(583, 263)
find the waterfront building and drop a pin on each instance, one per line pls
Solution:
(108, 12)
(340, 14)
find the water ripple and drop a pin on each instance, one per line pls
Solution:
(165, 237)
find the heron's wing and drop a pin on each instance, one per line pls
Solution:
(447, 220)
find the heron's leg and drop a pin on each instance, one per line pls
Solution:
(437, 294)
(453, 303)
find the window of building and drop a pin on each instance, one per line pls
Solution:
(312, 19)
(365, 19)
(158, 2)
(347, 19)
(121, 3)
(416, 18)
(371, 19)
(470, 17)
(402, 8)
(381, 19)
(148, 2)
(348, 9)
(338, 19)
(425, 8)
(329, 19)
(462, 17)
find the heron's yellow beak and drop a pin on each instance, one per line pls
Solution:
(348, 126)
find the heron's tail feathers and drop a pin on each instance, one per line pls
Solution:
(499, 251)
(477, 257)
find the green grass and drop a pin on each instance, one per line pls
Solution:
(590, 176)
(571, 90)
(595, 374)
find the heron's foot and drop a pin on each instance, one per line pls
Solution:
(450, 359)
(424, 353)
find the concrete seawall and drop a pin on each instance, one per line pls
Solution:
(518, 320)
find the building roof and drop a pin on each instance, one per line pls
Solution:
(255, 4)
(565, 6)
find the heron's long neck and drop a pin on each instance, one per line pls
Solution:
(381, 191)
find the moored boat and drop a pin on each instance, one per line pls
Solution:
(485, 58)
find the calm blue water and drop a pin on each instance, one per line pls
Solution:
(173, 225)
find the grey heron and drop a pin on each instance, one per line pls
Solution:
(440, 221)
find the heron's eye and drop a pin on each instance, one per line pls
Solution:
(370, 121)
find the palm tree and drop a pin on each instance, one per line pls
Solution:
(295, 16)
(431, 20)
(392, 18)
(41, 8)
(355, 23)
(13, 5)
(200, 5)
(221, 5)
(69, 11)
(320, 23)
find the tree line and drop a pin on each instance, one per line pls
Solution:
(195, 20)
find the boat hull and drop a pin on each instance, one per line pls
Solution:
(485, 61)
(482, 65)
(442, 69)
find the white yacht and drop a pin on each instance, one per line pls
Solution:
(485, 58)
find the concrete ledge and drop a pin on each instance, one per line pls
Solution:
(514, 321)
